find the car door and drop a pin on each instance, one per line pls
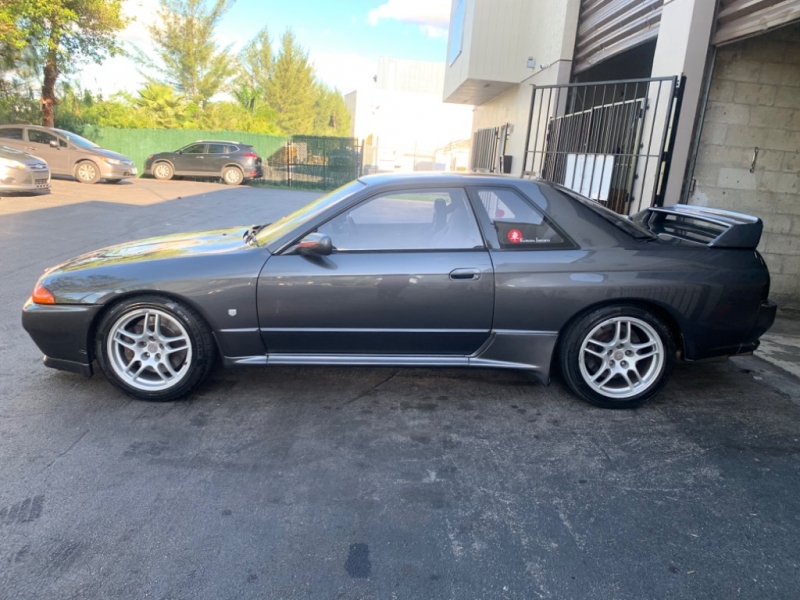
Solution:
(191, 160)
(56, 155)
(409, 275)
(218, 155)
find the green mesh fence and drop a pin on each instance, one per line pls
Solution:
(297, 161)
(138, 144)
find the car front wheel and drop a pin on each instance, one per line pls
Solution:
(163, 171)
(154, 348)
(87, 172)
(617, 356)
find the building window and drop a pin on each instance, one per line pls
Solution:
(456, 32)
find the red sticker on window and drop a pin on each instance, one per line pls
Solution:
(515, 236)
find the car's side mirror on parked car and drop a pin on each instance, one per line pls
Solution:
(318, 244)
(54, 143)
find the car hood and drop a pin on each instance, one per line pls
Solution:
(102, 152)
(24, 158)
(216, 241)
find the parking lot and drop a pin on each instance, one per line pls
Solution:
(371, 482)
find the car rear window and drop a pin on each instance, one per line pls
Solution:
(519, 225)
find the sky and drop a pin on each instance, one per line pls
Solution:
(344, 38)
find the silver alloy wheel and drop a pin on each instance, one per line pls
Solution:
(162, 171)
(87, 171)
(621, 357)
(149, 349)
(233, 176)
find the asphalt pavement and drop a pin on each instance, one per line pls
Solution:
(361, 483)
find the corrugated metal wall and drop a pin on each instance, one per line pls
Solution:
(608, 27)
(742, 18)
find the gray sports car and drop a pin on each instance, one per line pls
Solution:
(419, 270)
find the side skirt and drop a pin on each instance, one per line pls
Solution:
(505, 349)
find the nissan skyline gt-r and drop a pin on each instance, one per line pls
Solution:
(418, 270)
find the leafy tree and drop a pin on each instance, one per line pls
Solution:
(160, 106)
(291, 88)
(64, 33)
(255, 69)
(188, 57)
(331, 115)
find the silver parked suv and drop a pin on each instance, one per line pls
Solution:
(68, 154)
(20, 172)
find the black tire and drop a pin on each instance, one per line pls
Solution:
(232, 176)
(87, 172)
(598, 355)
(189, 365)
(163, 171)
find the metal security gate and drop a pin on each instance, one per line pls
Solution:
(488, 153)
(610, 141)
(609, 27)
(737, 19)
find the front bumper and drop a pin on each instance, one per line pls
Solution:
(109, 171)
(18, 180)
(61, 331)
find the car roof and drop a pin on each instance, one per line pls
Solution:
(218, 142)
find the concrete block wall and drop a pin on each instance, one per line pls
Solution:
(754, 101)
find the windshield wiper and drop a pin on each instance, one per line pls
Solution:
(250, 235)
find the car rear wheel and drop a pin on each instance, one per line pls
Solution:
(87, 172)
(617, 356)
(163, 171)
(232, 175)
(154, 348)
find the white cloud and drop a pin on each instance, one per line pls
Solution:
(141, 14)
(433, 16)
(346, 72)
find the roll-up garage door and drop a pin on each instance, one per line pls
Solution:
(737, 19)
(609, 27)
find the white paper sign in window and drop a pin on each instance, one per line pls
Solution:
(590, 175)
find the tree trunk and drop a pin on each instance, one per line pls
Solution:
(49, 85)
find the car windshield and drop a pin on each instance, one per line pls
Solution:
(76, 139)
(273, 231)
(622, 222)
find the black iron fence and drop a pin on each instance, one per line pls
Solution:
(314, 162)
(610, 141)
(488, 152)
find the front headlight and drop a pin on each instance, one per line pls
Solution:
(114, 161)
(11, 164)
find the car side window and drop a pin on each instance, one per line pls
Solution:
(195, 149)
(519, 224)
(11, 133)
(217, 149)
(231, 149)
(407, 220)
(40, 137)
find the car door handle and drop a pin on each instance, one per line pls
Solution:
(457, 274)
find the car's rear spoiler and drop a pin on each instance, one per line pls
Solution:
(714, 227)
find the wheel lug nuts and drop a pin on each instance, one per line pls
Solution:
(628, 353)
(624, 364)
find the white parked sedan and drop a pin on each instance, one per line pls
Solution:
(21, 172)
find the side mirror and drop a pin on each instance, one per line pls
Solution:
(318, 244)
(54, 144)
